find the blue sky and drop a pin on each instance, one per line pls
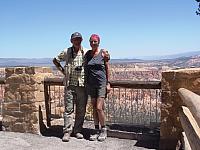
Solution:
(128, 28)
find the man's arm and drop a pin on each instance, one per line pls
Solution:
(58, 66)
(60, 58)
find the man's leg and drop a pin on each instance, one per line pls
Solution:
(68, 118)
(81, 102)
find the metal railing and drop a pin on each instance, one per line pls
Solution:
(134, 102)
(129, 102)
(2, 89)
(54, 98)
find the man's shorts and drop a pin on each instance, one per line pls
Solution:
(95, 92)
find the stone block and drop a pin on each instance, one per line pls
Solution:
(11, 106)
(30, 70)
(9, 96)
(8, 120)
(28, 96)
(39, 96)
(34, 117)
(32, 128)
(30, 107)
(168, 75)
(9, 72)
(39, 77)
(19, 70)
(166, 96)
(28, 87)
(40, 87)
(21, 79)
(19, 127)
(14, 113)
(12, 87)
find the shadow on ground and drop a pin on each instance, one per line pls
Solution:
(57, 131)
(150, 144)
(145, 137)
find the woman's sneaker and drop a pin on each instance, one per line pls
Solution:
(103, 135)
(79, 136)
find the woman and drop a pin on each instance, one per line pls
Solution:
(97, 78)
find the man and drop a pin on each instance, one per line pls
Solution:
(74, 86)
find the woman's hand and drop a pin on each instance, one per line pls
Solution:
(108, 88)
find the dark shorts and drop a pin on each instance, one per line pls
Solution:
(96, 92)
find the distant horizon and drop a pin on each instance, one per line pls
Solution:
(147, 57)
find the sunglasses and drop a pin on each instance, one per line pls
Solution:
(94, 42)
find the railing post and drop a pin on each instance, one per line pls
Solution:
(46, 96)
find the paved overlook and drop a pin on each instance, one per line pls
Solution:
(52, 140)
(26, 141)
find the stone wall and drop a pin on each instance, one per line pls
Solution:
(172, 80)
(24, 103)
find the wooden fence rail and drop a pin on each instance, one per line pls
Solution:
(116, 83)
(190, 118)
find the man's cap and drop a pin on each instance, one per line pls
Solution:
(76, 35)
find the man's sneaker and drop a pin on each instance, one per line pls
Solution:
(79, 136)
(66, 137)
(103, 135)
(95, 135)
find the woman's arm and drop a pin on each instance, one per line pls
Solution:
(106, 57)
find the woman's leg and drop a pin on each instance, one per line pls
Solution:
(95, 114)
(95, 134)
(101, 114)
(100, 111)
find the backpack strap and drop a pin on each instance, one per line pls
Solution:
(68, 55)
(88, 56)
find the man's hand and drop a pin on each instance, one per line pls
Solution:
(106, 55)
